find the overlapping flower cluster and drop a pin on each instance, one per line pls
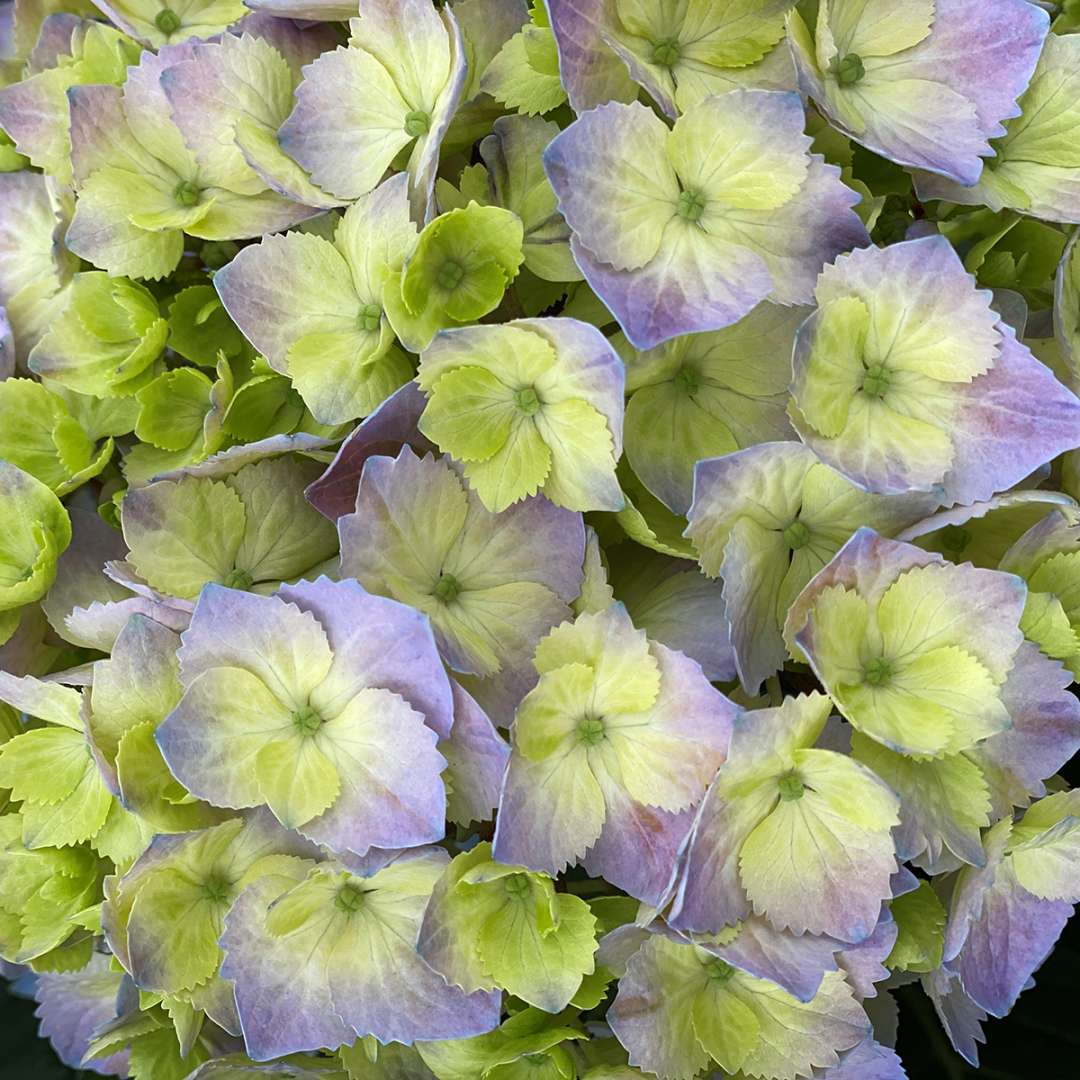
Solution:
(535, 541)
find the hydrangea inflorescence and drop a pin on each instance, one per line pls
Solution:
(538, 539)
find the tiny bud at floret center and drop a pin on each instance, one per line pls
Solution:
(447, 587)
(186, 194)
(591, 730)
(216, 889)
(369, 317)
(307, 720)
(238, 579)
(687, 381)
(167, 21)
(451, 274)
(665, 52)
(847, 69)
(718, 970)
(791, 787)
(876, 381)
(417, 123)
(349, 899)
(526, 400)
(878, 671)
(796, 535)
(517, 885)
(691, 205)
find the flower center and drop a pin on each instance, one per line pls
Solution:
(186, 193)
(665, 52)
(447, 587)
(847, 69)
(349, 899)
(718, 970)
(878, 671)
(238, 579)
(450, 274)
(687, 381)
(517, 885)
(791, 787)
(369, 317)
(526, 400)
(691, 205)
(167, 21)
(590, 730)
(796, 535)
(307, 720)
(876, 381)
(417, 123)
(216, 889)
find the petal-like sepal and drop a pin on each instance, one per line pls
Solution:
(720, 224)
(928, 88)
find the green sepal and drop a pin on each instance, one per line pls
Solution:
(526, 1033)
(172, 408)
(920, 919)
(107, 339)
(36, 532)
(461, 266)
(40, 436)
(265, 405)
(647, 521)
(200, 329)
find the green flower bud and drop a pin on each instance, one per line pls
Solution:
(796, 535)
(847, 69)
(167, 21)
(691, 205)
(417, 123)
(665, 52)
(527, 401)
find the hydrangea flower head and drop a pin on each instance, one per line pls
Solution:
(250, 530)
(705, 395)
(1029, 879)
(765, 520)
(107, 339)
(417, 417)
(533, 941)
(164, 917)
(171, 23)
